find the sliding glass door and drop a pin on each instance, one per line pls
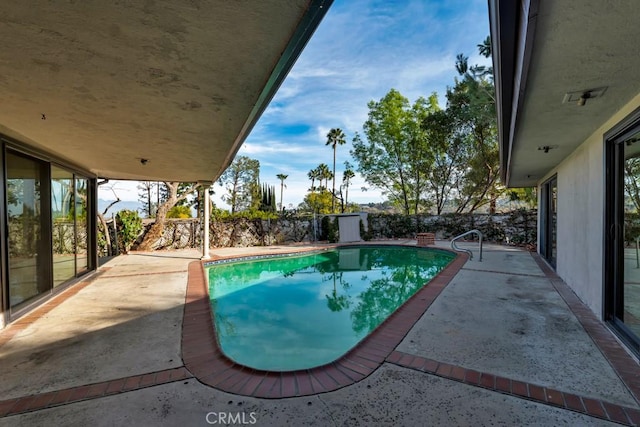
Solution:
(28, 228)
(70, 227)
(49, 225)
(622, 238)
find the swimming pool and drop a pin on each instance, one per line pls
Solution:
(300, 311)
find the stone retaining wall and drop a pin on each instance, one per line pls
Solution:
(517, 227)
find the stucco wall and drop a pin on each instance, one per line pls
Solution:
(580, 239)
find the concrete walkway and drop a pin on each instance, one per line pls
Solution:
(504, 343)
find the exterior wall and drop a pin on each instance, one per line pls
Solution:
(580, 220)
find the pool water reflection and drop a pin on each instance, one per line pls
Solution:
(298, 312)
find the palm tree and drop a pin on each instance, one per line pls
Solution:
(282, 177)
(328, 175)
(335, 137)
(347, 175)
(323, 174)
(462, 64)
(313, 175)
(485, 47)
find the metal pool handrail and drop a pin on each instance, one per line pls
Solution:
(455, 248)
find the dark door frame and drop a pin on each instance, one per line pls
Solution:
(547, 228)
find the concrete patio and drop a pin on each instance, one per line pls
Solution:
(504, 343)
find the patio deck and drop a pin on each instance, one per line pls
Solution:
(501, 342)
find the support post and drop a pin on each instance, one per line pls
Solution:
(205, 220)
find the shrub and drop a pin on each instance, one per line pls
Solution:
(392, 225)
(329, 229)
(324, 228)
(179, 212)
(631, 228)
(333, 234)
(365, 235)
(102, 240)
(129, 228)
(251, 215)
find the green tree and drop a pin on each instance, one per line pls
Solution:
(154, 234)
(255, 197)
(177, 211)
(267, 198)
(337, 302)
(192, 197)
(471, 104)
(631, 181)
(282, 177)
(163, 194)
(449, 150)
(318, 202)
(395, 156)
(335, 137)
(241, 182)
(526, 195)
(104, 235)
(145, 189)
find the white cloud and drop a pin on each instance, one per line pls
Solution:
(270, 147)
(302, 72)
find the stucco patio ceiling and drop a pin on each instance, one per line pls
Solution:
(545, 50)
(104, 84)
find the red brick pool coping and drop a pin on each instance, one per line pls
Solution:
(204, 359)
(199, 346)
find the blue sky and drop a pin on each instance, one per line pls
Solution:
(361, 50)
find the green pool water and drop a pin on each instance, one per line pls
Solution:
(298, 312)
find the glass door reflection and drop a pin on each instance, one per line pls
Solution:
(62, 214)
(628, 289)
(29, 247)
(81, 231)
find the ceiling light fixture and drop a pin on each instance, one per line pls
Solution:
(580, 97)
(583, 99)
(546, 148)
